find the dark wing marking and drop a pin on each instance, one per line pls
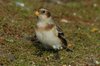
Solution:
(62, 37)
(35, 39)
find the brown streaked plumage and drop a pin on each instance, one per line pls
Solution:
(47, 27)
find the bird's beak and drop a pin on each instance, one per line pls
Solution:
(37, 13)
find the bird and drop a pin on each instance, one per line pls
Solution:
(47, 32)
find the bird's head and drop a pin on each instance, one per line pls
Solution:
(43, 14)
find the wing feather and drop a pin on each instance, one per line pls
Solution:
(62, 37)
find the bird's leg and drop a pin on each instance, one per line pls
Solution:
(34, 38)
(69, 50)
(39, 52)
(56, 54)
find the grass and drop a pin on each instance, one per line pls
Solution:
(82, 32)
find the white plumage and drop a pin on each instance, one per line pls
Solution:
(48, 33)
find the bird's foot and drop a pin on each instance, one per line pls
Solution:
(38, 53)
(69, 50)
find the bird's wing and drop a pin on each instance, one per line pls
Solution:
(61, 36)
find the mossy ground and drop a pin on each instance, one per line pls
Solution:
(82, 32)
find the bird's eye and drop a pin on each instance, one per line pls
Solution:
(42, 11)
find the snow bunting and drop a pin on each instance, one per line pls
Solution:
(47, 32)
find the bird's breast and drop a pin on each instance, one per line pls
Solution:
(44, 26)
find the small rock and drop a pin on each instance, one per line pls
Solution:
(64, 20)
(20, 4)
(64, 65)
(59, 2)
(69, 65)
(97, 62)
(74, 14)
(95, 5)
